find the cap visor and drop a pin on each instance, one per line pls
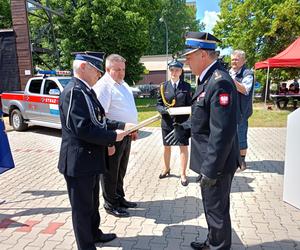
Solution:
(96, 67)
(186, 52)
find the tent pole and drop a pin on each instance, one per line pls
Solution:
(267, 85)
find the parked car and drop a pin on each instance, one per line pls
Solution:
(135, 91)
(148, 90)
(37, 104)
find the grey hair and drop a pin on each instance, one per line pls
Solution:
(213, 54)
(239, 53)
(113, 58)
(76, 65)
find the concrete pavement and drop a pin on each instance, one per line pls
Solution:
(36, 212)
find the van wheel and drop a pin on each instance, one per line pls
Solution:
(17, 120)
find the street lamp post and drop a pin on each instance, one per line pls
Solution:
(162, 20)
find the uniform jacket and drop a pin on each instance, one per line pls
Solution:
(213, 123)
(183, 97)
(245, 108)
(84, 136)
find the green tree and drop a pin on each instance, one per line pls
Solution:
(179, 18)
(5, 14)
(129, 28)
(261, 28)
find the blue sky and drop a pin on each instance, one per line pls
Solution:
(207, 11)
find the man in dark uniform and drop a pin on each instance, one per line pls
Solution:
(174, 93)
(214, 142)
(85, 137)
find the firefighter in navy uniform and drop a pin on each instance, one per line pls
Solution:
(174, 93)
(214, 141)
(85, 137)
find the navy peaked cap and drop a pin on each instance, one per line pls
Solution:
(94, 58)
(199, 40)
(175, 64)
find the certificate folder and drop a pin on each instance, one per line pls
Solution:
(180, 110)
(144, 123)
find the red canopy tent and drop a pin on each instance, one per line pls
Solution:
(288, 58)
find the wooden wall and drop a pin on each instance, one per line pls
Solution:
(21, 28)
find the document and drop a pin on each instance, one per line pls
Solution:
(144, 123)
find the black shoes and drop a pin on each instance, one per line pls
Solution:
(127, 204)
(102, 238)
(184, 183)
(199, 245)
(116, 211)
(164, 174)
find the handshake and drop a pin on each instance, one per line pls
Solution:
(176, 135)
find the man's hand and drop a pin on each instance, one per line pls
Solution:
(121, 134)
(207, 182)
(164, 111)
(134, 135)
(111, 150)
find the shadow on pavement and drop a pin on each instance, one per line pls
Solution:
(267, 166)
(173, 237)
(169, 211)
(45, 193)
(32, 211)
(143, 134)
(44, 131)
(180, 237)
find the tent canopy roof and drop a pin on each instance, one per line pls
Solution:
(290, 57)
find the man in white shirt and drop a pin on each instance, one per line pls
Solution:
(117, 100)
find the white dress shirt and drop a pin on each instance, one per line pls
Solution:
(116, 99)
(175, 84)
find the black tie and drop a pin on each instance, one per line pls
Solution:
(174, 86)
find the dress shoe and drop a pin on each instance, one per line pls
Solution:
(184, 182)
(200, 245)
(116, 211)
(127, 204)
(102, 238)
(164, 174)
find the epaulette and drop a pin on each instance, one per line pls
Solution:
(217, 75)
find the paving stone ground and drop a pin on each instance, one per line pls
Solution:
(36, 211)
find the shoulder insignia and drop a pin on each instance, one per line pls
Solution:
(217, 75)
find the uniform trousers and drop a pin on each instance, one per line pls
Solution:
(113, 180)
(216, 207)
(84, 198)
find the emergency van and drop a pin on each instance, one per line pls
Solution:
(38, 103)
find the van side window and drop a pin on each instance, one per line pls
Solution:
(49, 84)
(35, 86)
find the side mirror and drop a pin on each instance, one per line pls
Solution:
(54, 92)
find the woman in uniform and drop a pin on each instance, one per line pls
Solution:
(174, 93)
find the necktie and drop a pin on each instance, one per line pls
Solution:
(174, 86)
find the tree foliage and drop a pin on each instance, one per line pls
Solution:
(179, 18)
(262, 28)
(5, 14)
(129, 28)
